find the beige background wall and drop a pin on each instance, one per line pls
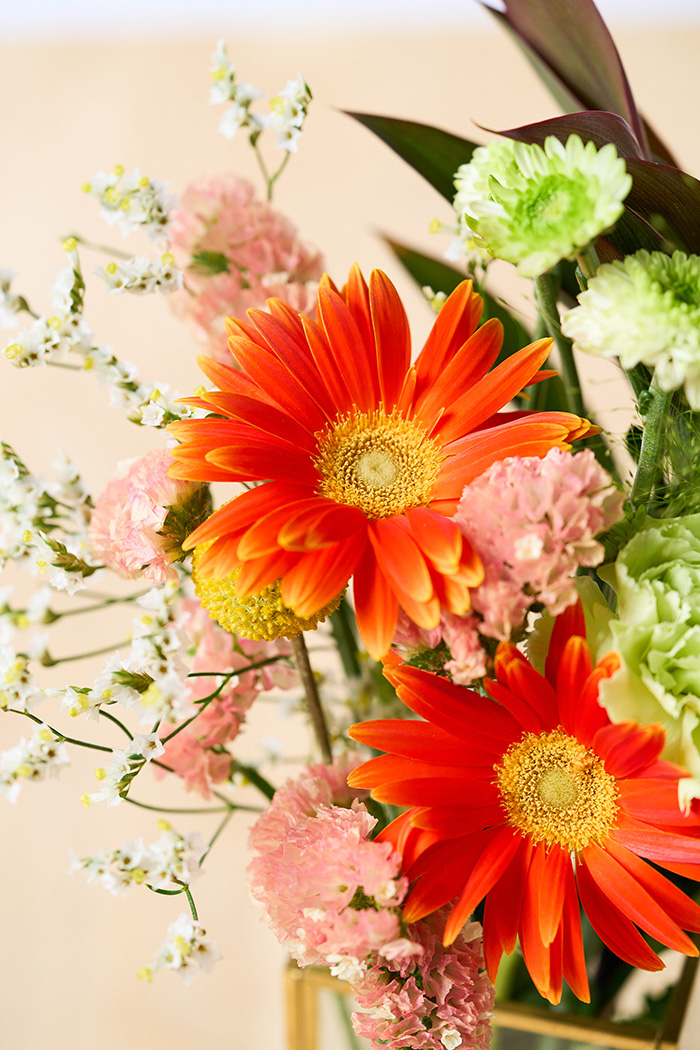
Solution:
(70, 951)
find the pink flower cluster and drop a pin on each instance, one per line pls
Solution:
(438, 999)
(236, 252)
(330, 893)
(195, 753)
(532, 521)
(131, 511)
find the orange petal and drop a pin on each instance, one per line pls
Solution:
(391, 335)
(493, 861)
(400, 558)
(320, 575)
(376, 605)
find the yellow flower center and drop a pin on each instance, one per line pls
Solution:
(556, 790)
(381, 463)
(260, 616)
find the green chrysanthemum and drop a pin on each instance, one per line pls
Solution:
(533, 206)
(260, 616)
(657, 635)
(645, 308)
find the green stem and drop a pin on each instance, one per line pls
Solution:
(273, 179)
(217, 794)
(546, 296)
(112, 718)
(105, 249)
(51, 661)
(65, 739)
(94, 608)
(175, 809)
(188, 894)
(206, 700)
(216, 834)
(61, 364)
(343, 631)
(651, 452)
(588, 261)
(313, 701)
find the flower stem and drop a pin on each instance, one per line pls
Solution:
(190, 901)
(313, 701)
(546, 295)
(175, 809)
(94, 608)
(652, 448)
(51, 661)
(65, 739)
(111, 718)
(588, 261)
(273, 178)
(118, 252)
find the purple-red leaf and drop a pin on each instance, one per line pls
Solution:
(668, 200)
(570, 39)
(592, 125)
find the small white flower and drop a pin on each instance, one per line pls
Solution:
(186, 950)
(38, 758)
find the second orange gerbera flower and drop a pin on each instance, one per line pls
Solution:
(364, 456)
(534, 800)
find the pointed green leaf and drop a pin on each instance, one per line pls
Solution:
(433, 153)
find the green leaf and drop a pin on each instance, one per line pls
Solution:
(209, 263)
(433, 153)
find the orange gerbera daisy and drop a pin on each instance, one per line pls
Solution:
(524, 798)
(363, 454)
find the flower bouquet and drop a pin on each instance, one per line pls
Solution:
(501, 784)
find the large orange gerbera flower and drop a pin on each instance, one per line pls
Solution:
(363, 454)
(523, 798)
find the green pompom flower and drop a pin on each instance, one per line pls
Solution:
(533, 206)
(645, 308)
(657, 635)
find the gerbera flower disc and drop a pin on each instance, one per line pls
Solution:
(363, 455)
(533, 800)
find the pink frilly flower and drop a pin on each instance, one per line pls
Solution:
(195, 753)
(126, 526)
(328, 890)
(533, 521)
(236, 252)
(435, 999)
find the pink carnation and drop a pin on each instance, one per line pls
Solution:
(460, 634)
(129, 515)
(222, 224)
(195, 753)
(329, 891)
(533, 522)
(439, 999)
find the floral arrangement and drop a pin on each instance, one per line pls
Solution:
(504, 756)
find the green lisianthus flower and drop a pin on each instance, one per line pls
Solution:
(657, 634)
(534, 206)
(645, 308)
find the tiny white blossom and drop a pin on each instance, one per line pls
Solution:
(35, 759)
(134, 201)
(184, 949)
(141, 276)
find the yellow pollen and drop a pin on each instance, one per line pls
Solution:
(381, 463)
(556, 790)
(260, 616)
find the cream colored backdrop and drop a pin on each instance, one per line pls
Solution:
(70, 951)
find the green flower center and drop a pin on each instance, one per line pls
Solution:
(551, 205)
